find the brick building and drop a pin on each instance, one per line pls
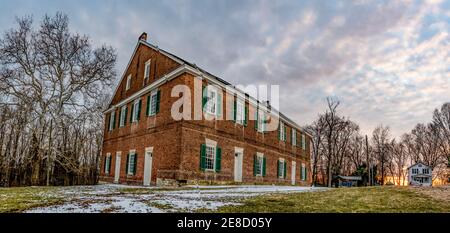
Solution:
(144, 144)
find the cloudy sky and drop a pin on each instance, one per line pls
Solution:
(388, 62)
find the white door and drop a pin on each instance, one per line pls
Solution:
(293, 171)
(117, 170)
(238, 166)
(148, 168)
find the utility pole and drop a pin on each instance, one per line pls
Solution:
(368, 162)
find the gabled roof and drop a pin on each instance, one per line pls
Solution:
(194, 67)
(418, 164)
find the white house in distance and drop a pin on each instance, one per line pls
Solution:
(420, 174)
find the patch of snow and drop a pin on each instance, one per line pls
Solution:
(109, 198)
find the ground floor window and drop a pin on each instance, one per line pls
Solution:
(131, 163)
(259, 165)
(107, 163)
(303, 172)
(281, 169)
(210, 157)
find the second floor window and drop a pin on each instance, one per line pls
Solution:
(260, 121)
(153, 103)
(240, 112)
(147, 69)
(112, 120)
(426, 171)
(303, 142)
(123, 116)
(128, 84)
(136, 110)
(294, 137)
(211, 103)
(282, 131)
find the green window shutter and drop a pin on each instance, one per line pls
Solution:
(202, 157)
(254, 164)
(104, 165)
(285, 135)
(108, 119)
(306, 173)
(204, 98)
(139, 110)
(278, 168)
(246, 115)
(135, 163)
(285, 171)
(114, 120)
(120, 115)
(218, 158)
(158, 100)
(126, 166)
(219, 103)
(131, 114)
(301, 172)
(235, 110)
(125, 117)
(264, 166)
(110, 160)
(148, 105)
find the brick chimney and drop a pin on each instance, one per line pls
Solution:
(143, 36)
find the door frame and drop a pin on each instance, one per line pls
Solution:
(238, 163)
(148, 163)
(117, 166)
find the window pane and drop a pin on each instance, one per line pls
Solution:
(210, 155)
(153, 104)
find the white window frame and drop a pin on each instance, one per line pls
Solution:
(281, 163)
(128, 84)
(303, 171)
(282, 130)
(122, 116)
(147, 69)
(303, 142)
(240, 111)
(261, 121)
(132, 152)
(213, 148)
(153, 102)
(135, 110)
(294, 137)
(107, 163)
(260, 160)
(111, 120)
(211, 102)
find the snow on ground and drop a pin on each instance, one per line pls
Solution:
(138, 199)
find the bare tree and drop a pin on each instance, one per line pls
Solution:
(59, 77)
(380, 139)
